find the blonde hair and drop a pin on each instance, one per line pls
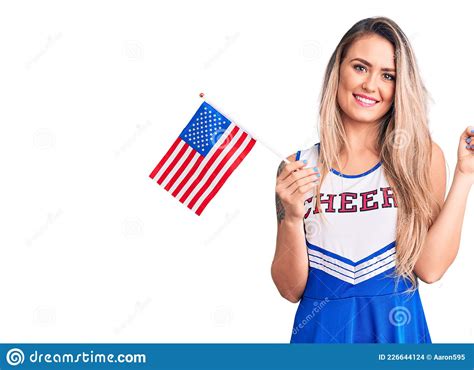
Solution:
(403, 140)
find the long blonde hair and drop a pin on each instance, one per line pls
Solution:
(403, 140)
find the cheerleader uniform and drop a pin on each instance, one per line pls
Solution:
(352, 295)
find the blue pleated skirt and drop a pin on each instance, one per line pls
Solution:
(386, 318)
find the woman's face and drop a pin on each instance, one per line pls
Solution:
(367, 79)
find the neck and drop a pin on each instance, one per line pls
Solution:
(361, 136)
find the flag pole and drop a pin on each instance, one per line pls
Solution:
(201, 95)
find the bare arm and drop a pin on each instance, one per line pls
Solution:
(444, 236)
(290, 263)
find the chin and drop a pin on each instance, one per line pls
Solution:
(368, 117)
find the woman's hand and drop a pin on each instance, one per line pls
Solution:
(465, 164)
(293, 182)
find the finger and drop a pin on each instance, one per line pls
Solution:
(302, 190)
(290, 168)
(468, 132)
(300, 174)
(303, 182)
(468, 137)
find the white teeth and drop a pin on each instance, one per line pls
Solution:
(364, 100)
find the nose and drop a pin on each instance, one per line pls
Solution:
(369, 84)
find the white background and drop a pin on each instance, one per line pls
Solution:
(92, 96)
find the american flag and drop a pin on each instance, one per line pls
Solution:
(202, 158)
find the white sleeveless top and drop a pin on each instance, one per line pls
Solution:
(357, 242)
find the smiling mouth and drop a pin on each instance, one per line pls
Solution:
(364, 102)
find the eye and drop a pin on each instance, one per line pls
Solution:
(389, 77)
(358, 67)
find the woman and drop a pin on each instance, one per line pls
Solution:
(353, 239)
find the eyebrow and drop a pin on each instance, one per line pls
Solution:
(370, 65)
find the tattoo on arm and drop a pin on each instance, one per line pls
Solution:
(280, 210)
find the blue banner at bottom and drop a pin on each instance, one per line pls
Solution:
(237, 356)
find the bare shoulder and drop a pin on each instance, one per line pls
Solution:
(437, 152)
(438, 173)
(438, 162)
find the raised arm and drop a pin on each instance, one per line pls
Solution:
(444, 236)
